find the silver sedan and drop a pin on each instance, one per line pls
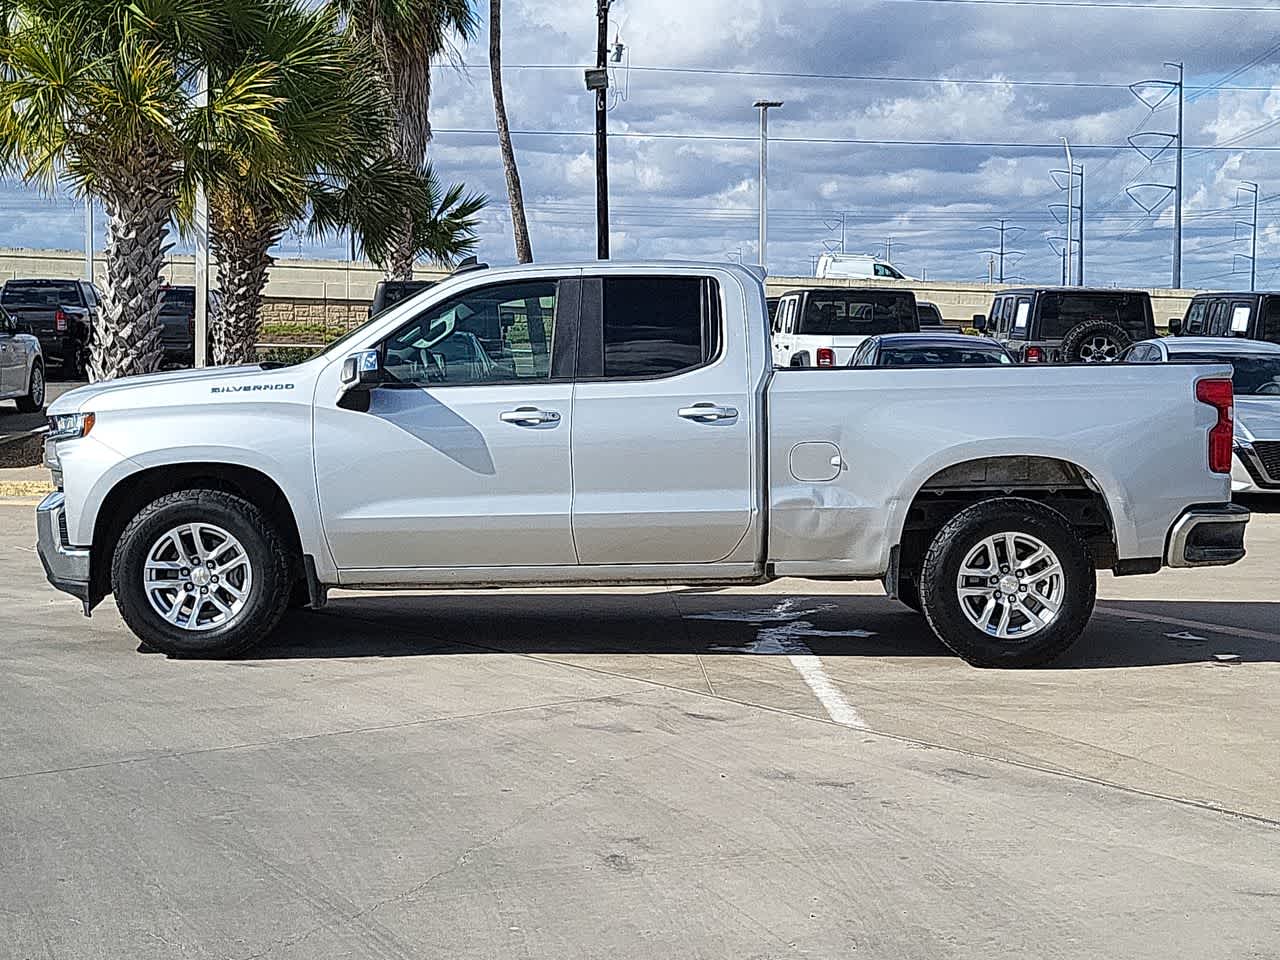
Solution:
(21, 366)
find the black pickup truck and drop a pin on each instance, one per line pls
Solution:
(60, 313)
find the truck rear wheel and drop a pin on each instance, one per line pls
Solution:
(1008, 583)
(201, 573)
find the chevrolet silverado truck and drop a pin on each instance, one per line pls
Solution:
(623, 423)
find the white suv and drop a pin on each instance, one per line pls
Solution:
(822, 327)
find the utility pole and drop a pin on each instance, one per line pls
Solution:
(601, 87)
(1002, 252)
(1252, 188)
(1080, 259)
(1177, 186)
(88, 239)
(764, 106)
(991, 269)
(842, 219)
(888, 250)
(1070, 205)
(201, 230)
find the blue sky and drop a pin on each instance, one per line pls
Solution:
(696, 197)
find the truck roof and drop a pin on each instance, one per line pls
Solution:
(1060, 289)
(1236, 293)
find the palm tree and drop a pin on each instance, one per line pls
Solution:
(524, 252)
(328, 113)
(99, 96)
(409, 36)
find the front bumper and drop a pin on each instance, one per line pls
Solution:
(67, 567)
(1208, 536)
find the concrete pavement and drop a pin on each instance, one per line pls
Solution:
(642, 773)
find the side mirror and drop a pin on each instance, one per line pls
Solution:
(363, 369)
(1175, 327)
(980, 322)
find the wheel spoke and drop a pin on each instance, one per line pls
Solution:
(1008, 596)
(1026, 564)
(175, 596)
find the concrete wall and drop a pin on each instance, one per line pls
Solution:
(333, 291)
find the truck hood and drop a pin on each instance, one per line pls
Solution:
(82, 398)
(1258, 418)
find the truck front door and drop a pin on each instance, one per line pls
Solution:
(461, 459)
(663, 422)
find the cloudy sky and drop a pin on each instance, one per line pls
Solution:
(999, 83)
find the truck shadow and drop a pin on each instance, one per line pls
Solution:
(1121, 634)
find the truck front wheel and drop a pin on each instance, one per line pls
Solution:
(201, 573)
(1008, 583)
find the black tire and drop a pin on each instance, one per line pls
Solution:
(33, 402)
(909, 592)
(940, 572)
(1078, 345)
(73, 360)
(268, 594)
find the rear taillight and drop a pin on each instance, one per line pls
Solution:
(1218, 394)
(826, 357)
(1033, 355)
(60, 320)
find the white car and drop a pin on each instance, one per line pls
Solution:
(1255, 466)
(21, 366)
(822, 327)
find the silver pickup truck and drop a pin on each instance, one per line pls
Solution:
(623, 423)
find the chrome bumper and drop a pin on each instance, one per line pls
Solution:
(1208, 536)
(67, 567)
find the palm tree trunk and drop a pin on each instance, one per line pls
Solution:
(524, 252)
(125, 339)
(411, 95)
(239, 239)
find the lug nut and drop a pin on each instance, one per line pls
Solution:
(1023, 588)
(993, 581)
(215, 580)
(186, 572)
(1004, 569)
(186, 586)
(204, 590)
(1021, 574)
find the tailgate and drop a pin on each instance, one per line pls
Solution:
(1136, 429)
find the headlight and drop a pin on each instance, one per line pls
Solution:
(70, 426)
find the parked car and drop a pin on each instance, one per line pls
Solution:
(857, 266)
(178, 325)
(821, 327)
(21, 364)
(60, 314)
(390, 292)
(1254, 316)
(929, 349)
(1068, 324)
(928, 314)
(620, 436)
(1256, 379)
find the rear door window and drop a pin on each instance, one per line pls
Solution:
(858, 313)
(1061, 312)
(1216, 324)
(1241, 314)
(659, 326)
(1269, 329)
(1021, 316)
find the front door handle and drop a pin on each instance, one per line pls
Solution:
(707, 412)
(529, 415)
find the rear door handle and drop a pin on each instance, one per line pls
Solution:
(529, 415)
(707, 412)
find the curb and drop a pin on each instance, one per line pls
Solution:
(24, 488)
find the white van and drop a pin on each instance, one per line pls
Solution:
(857, 266)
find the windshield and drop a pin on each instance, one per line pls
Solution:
(1253, 377)
(937, 354)
(858, 313)
(1060, 312)
(41, 294)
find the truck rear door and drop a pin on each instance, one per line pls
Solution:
(664, 420)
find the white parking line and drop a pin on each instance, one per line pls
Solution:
(784, 637)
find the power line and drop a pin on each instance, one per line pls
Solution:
(877, 78)
(840, 141)
(1098, 5)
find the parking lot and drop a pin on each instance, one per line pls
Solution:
(797, 770)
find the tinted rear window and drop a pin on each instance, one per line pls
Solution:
(858, 314)
(1060, 312)
(19, 293)
(396, 290)
(178, 300)
(929, 315)
(937, 354)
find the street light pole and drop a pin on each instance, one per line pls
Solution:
(88, 239)
(1071, 182)
(763, 106)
